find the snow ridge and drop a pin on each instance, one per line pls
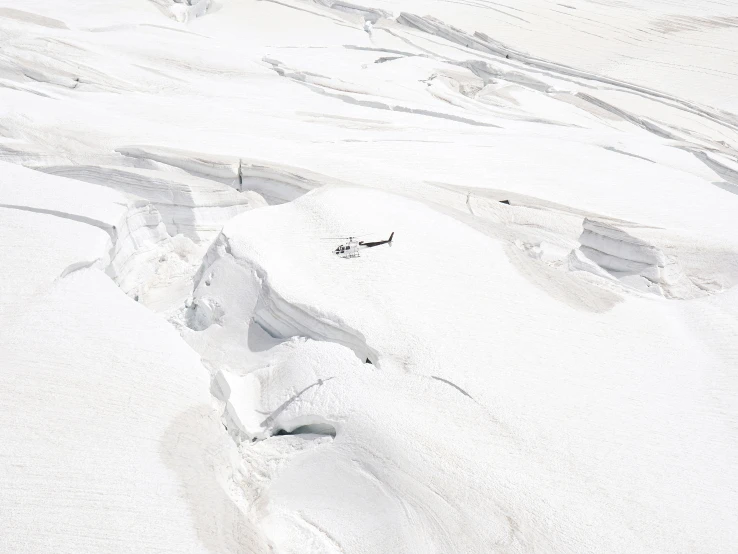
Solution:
(278, 317)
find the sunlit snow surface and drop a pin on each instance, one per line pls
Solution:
(544, 361)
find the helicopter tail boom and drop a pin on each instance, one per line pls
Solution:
(378, 243)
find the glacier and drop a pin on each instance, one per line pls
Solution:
(544, 360)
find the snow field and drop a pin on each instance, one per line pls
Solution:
(543, 361)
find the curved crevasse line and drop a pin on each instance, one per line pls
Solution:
(109, 229)
(188, 205)
(327, 87)
(483, 43)
(637, 121)
(480, 42)
(136, 242)
(457, 387)
(78, 266)
(131, 252)
(397, 108)
(277, 183)
(224, 169)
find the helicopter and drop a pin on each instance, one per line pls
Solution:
(351, 248)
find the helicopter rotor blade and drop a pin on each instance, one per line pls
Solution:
(347, 237)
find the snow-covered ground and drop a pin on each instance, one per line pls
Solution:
(544, 360)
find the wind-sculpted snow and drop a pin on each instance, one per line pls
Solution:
(542, 361)
(215, 298)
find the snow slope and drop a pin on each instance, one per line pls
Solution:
(102, 406)
(543, 361)
(475, 349)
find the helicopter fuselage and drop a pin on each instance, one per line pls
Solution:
(348, 250)
(351, 248)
